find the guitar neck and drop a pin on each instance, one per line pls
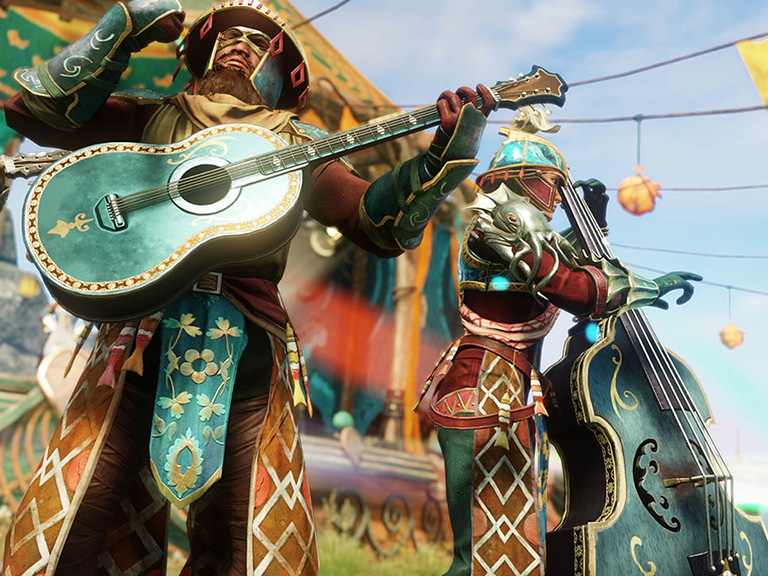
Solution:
(537, 87)
(342, 143)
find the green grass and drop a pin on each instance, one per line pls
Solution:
(339, 553)
(342, 555)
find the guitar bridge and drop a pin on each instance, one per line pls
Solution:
(108, 213)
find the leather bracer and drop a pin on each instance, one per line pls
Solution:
(618, 289)
(66, 91)
(397, 206)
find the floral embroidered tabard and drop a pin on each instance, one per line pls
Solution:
(203, 337)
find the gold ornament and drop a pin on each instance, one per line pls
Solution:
(637, 194)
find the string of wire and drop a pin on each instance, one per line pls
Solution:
(688, 253)
(717, 284)
(321, 14)
(638, 117)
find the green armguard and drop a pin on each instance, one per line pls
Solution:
(398, 205)
(69, 89)
(618, 289)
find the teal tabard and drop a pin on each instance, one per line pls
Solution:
(203, 337)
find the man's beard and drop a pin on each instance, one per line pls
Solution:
(220, 80)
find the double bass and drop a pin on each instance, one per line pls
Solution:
(647, 491)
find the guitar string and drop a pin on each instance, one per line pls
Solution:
(429, 113)
(335, 143)
(643, 329)
(377, 132)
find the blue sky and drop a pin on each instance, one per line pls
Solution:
(413, 51)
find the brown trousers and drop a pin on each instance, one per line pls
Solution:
(218, 522)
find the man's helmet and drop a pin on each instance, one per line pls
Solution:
(521, 163)
(282, 76)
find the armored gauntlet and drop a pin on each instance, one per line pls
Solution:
(397, 206)
(70, 88)
(619, 289)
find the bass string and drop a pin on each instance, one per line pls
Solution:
(671, 375)
(699, 431)
(596, 240)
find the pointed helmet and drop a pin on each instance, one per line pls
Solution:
(526, 163)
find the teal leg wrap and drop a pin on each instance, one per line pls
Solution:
(458, 451)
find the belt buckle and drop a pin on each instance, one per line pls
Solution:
(205, 280)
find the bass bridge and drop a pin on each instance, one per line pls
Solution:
(728, 565)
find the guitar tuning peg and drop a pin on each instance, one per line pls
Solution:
(520, 75)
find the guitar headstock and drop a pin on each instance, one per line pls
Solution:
(536, 87)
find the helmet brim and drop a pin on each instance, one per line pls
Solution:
(200, 41)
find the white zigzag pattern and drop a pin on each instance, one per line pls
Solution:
(136, 525)
(501, 526)
(44, 475)
(289, 490)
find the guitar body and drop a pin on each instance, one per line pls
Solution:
(618, 445)
(185, 209)
(119, 230)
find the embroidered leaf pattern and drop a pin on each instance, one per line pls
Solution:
(209, 408)
(184, 323)
(175, 404)
(173, 362)
(223, 329)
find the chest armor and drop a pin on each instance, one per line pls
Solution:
(476, 273)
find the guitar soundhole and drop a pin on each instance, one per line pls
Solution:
(205, 184)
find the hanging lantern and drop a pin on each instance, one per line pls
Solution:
(637, 194)
(29, 287)
(731, 336)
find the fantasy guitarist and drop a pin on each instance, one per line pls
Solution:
(515, 274)
(194, 405)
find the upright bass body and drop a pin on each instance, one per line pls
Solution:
(637, 503)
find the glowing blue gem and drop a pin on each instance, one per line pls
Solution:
(499, 283)
(592, 332)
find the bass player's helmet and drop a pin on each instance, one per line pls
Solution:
(282, 75)
(530, 166)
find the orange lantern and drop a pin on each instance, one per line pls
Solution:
(637, 194)
(731, 336)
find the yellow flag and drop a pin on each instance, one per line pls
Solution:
(755, 56)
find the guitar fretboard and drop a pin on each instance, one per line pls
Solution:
(339, 144)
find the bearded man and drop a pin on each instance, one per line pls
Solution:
(131, 439)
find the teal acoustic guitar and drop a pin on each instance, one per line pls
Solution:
(119, 230)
